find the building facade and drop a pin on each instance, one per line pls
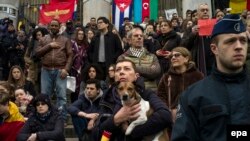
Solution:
(9, 8)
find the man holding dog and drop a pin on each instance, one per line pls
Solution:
(113, 115)
(210, 109)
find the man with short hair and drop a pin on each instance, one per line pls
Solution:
(122, 30)
(92, 24)
(105, 47)
(207, 108)
(146, 63)
(113, 114)
(200, 45)
(70, 30)
(55, 50)
(84, 111)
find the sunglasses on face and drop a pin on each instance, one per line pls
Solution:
(40, 103)
(176, 55)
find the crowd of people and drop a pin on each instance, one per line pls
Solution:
(195, 85)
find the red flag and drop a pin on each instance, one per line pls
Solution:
(56, 1)
(62, 11)
(145, 9)
(206, 26)
(248, 5)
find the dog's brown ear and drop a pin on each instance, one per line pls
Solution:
(137, 96)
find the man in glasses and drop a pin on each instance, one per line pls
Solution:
(146, 63)
(105, 47)
(208, 108)
(199, 45)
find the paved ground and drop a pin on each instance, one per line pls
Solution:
(71, 139)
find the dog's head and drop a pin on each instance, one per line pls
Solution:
(127, 93)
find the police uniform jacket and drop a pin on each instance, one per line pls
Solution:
(207, 107)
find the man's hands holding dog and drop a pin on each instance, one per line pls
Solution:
(127, 113)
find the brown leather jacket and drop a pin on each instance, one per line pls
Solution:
(57, 58)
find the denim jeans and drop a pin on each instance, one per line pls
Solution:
(80, 125)
(50, 83)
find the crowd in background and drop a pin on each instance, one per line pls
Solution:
(173, 57)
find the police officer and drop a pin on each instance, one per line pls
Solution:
(207, 108)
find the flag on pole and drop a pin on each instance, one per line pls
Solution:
(137, 11)
(145, 9)
(239, 5)
(153, 9)
(75, 10)
(62, 11)
(120, 10)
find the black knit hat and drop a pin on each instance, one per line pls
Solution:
(229, 24)
(42, 98)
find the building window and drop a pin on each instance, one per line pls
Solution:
(12, 11)
(3, 9)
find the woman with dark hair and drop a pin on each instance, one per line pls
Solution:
(110, 79)
(168, 39)
(30, 57)
(181, 74)
(17, 80)
(79, 48)
(45, 124)
(219, 15)
(24, 102)
(90, 35)
(92, 71)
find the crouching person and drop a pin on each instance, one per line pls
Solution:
(84, 111)
(45, 124)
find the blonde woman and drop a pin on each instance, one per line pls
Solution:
(181, 74)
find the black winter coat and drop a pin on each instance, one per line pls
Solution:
(52, 129)
(113, 49)
(85, 105)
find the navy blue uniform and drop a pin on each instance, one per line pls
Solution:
(208, 106)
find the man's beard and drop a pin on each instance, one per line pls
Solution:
(54, 32)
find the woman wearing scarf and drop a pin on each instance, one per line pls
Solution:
(79, 48)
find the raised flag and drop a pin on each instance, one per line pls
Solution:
(137, 11)
(62, 11)
(153, 9)
(238, 6)
(145, 9)
(75, 10)
(120, 10)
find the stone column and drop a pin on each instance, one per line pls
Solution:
(96, 8)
